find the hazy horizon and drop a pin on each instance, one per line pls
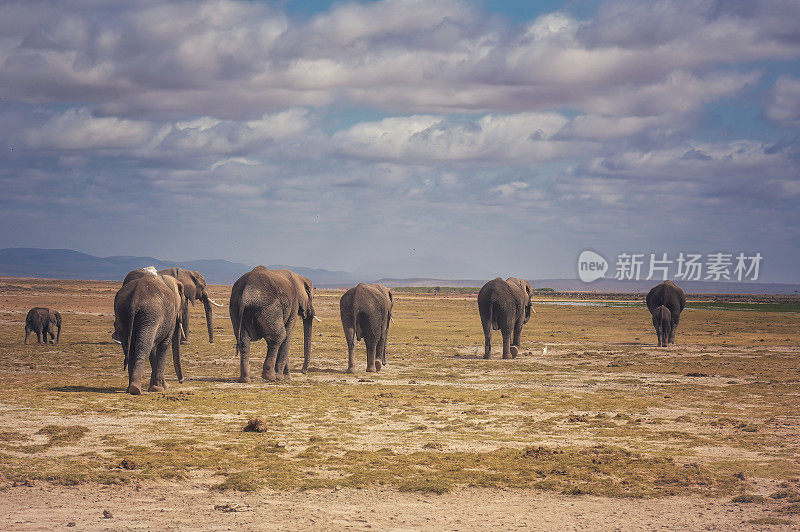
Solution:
(437, 138)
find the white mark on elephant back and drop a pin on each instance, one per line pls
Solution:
(151, 270)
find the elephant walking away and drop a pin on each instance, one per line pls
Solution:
(146, 322)
(662, 321)
(671, 296)
(366, 311)
(265, 304)
(41, 320)
(505, 306)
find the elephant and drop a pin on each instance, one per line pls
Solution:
(507, 306)
(669, 295)
(194, 286)
(265, 304)
(366, 311)
(662, 321)
(147, 318)
(41, 321)
(173, 283)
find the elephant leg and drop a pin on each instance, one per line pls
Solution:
(161, 361)
(487, 335)
(185, 324)
(506, 342)
(349, 335)
(244, 357)
(268, 373)
(515, 342)
(135, 370)
(675, 319)
(380, 350)
(371, 345)
(282, 360)
(27, 332)
(154, 381)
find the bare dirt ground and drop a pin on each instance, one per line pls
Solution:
(183, 506)
(591, 428)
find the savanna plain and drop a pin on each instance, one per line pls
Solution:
(591, 427)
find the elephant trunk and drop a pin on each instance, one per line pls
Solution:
(308, 324)
(209, 318)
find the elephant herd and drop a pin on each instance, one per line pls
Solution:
(151, 318)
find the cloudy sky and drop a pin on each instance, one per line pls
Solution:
(435, 137)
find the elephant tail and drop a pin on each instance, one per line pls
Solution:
(240, 319)
(357, 325)
(131, 318)
(492, 320)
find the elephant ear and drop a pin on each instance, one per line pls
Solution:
(529, 302)
(198, 279)
(181, 297)
(305, 310)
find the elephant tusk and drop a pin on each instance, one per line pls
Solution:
(215, 303)
(533, 310)
(391, 319)
(120, 343)
(316, 318)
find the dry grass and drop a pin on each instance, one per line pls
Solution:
(603, 412)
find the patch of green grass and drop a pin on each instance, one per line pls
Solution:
(756, 307)
(791, 509)
(61, 435)
(240, 481)
(748, 498)
(769, 521)
(786, 495)
(425, 484)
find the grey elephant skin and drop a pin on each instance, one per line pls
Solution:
(662, 321)
(41, 320)
(266, 304)
(505, 306)
(366, 311)
(194, 286)
(671, 296)
(147, 314)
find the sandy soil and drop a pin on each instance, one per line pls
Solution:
(732, 383)
(187, 506)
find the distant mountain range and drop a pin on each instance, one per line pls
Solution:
(69, 264)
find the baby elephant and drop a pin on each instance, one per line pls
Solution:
(662, 321)
(41, 321)
(366, 311)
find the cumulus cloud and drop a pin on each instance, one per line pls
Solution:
(433, 118)
(522, 137)
(77, 129)
(783, 106)
(243, 59)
